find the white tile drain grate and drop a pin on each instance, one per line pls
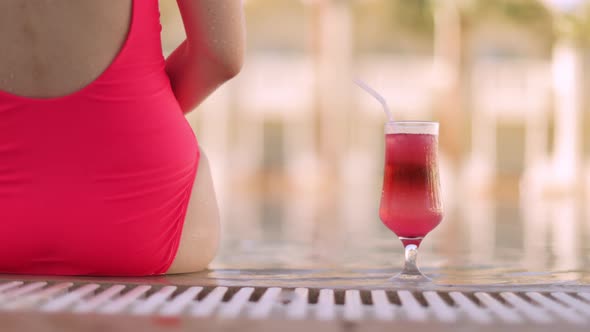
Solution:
(296, 304)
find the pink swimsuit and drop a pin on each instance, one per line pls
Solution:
(98, 182)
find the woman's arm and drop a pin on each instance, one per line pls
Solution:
(212, 52)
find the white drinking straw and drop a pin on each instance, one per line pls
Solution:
(377, 96)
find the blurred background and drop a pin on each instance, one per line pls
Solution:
(297, 149)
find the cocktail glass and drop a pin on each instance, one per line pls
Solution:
(410, 202)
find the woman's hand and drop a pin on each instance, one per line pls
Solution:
(212, 52)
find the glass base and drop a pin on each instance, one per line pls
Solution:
(413, 278)
(407, 281)
(410, 274)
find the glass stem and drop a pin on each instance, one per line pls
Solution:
(410, 267)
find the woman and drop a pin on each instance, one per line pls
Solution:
(100, 173)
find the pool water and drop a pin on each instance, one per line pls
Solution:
(480, 242)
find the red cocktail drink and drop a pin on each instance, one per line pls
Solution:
(410, 202)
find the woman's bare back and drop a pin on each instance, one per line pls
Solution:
(52, 48)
